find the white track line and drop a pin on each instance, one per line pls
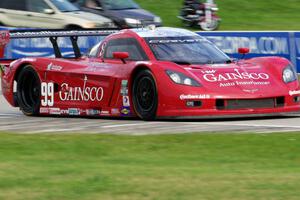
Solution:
(133, 124)
(11, 114)
(249, 125)
(54, 130)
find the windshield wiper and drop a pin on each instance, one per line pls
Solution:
(211, 62)
(181, 62)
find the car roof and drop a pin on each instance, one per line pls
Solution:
(163, 32)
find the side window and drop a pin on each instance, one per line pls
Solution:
(94, 51)
(13, 4)
(129, 45)
(37, 6)
(92, 4)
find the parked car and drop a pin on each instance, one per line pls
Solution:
(124, 13)
(48, 14)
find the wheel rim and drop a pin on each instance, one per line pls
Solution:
(30, 90)
(145, 94)
(210, 26)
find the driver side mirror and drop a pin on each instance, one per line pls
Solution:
(49, 11)
(243, 50)
(121, 55)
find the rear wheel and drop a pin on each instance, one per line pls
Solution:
(29, 91)
(144, 95)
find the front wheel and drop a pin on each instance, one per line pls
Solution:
(212, 26)
(29, 91)
(144, 93)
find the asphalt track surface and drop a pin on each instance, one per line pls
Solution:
(12, 120)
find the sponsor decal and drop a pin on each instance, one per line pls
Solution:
(126, 101)
(236, 75)
(53, 67)
(177, 41)
(44, 110)
(74, 111)
(105, 112)
(54, 111)
(115, 111)
(64, 112)
(236, 78)
(208, 71)
(124, 88)
(103, 49)
(124, 91)
(124, 83)
(240, 83)
(194, 96)
(250, 91)
(294, 92)
(125, 111)
(83, 93)
(92, 112)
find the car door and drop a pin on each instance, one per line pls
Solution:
(14, 13)
(121, 70)
(40, 14)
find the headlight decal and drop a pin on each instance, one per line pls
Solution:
(289, 74)
(180, 78)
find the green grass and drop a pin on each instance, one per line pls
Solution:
(237, 15)
(172, 167)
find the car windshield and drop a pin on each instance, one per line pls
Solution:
(186, 50)
(119, 4)
(64, 5)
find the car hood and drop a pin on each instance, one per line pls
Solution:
(240, 80)
(140, 14)
(88, 16)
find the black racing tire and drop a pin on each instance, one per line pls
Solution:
(144, 95)
(29, 91)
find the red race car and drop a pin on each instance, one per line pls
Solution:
(150, 73)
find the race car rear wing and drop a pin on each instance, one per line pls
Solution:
(53, 35)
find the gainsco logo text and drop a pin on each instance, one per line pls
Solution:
(236, 75)
(80, 93)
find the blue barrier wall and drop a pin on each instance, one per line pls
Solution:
(297, 50)
(284, 44)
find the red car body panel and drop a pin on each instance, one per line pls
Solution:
(103, 87)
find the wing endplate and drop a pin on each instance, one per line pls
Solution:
(4, 40)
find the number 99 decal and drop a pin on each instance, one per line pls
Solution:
(47, 94)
